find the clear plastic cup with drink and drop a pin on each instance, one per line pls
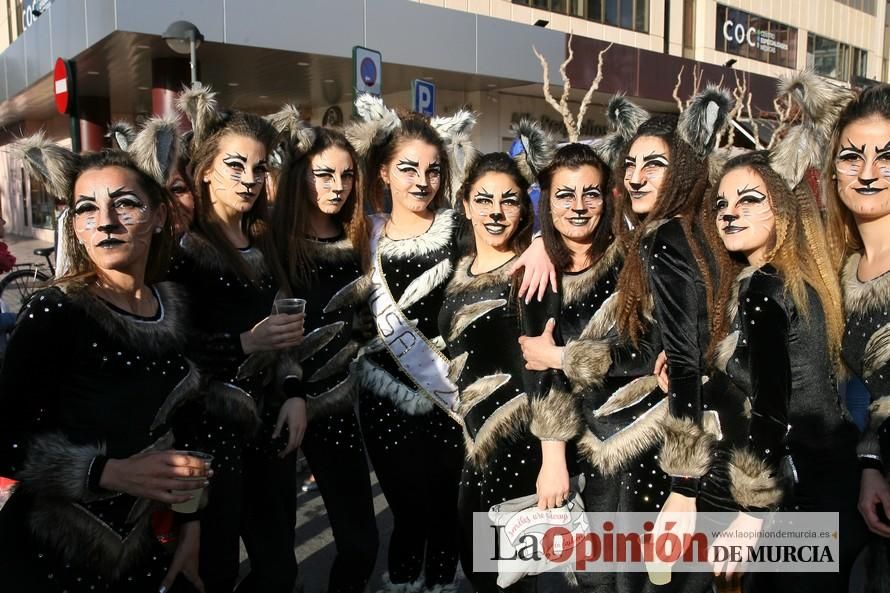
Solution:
(197, 493)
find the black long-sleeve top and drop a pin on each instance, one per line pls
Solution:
(111, 389)
(866, 350)
(798, 424)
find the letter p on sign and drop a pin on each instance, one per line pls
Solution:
(423, 97)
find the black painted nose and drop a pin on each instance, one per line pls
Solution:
(637, 186)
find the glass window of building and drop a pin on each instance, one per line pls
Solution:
(755, 37)
(43, 206)
(627, 14)
(867, 6)
(835, 59)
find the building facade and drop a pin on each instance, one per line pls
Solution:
(259, 54)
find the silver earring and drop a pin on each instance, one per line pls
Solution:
(158, 230)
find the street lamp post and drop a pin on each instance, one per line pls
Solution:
(184, 38)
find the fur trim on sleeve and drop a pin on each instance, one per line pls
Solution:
(586, 362)
(57, 468)
(556, 417)
(751, 481)
(878, 411)
(687, 448)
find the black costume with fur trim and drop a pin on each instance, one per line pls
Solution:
(801, 446)
(333, 442)
(866, 351)
(223, 307)
(115, 390)
(415, 447)
(506, 410)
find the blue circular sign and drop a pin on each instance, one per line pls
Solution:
(368, 71)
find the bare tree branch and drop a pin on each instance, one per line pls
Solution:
(588, 96)
(676, 92)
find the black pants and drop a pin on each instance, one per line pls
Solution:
(336, 454)
(418, 459)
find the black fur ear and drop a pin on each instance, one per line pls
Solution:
(624, 119)
(52, 164)
(121, 134)
(378, 123)
(704, 119)
(198, 103)
(538, 147)
(804, 145)
(157, 147)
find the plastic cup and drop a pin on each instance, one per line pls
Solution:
(289, 306)
(197, 493)
(659, 573)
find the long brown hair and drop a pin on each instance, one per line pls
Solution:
(255, 223)
(413, 127)
(800, 253)
(293, 204)
(681, 195)
(843, 234)
(573, 157)
(81, 268)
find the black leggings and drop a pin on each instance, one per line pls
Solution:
(418, 459)
(336, 454)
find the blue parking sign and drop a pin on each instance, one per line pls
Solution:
(423, 97)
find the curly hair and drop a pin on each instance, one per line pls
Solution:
(681, 196)
(800, 253)
(574, 157)
(413, 127)
(293, 204)
(843, 234)
(255, 223)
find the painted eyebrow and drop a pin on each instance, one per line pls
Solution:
(121, 191)
(323, 170)
(566, 188)
(886, 147)
(409, 163)
(588, 188)
(235, 155)
(747, 189)
(483, 193)
(852, 146)
(510, 193)
(653, 157)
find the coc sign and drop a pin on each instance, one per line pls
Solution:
(31, 9)
(755, 37)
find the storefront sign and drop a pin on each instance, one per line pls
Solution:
(755, 37)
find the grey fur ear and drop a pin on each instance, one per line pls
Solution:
(198, 103)
(704, 119)
(455, 133)
(378, 123)
(804, 145)
(538, 147)
(624, 119)
(52, 164)
(121, 134)
(293, 128)
(157, 147)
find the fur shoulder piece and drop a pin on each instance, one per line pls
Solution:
(294, 130)
(52, 164)
(377, 124)
(164, 334)
(861, 297)
(624, 118)
(198, 103)
(538, 146)
(156, 147)
(704, 119)
(804, 146)
(464, 282)
(578, 286)
(438, 236)
(205, 255)
(121, 134)
(331, 251)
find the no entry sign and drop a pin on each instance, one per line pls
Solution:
(63, 83)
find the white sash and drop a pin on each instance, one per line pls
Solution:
(415, 354)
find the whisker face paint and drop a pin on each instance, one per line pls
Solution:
(862, 167)
(744, 214)
(332, 178)
(414, 175)
(236, 177)
(576, 199)
(645, 169)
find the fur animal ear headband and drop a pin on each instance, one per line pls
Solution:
(804, 145)
(154, 150)
(704, 119)
(297, 135)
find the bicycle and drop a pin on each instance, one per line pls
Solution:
(25, 279)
